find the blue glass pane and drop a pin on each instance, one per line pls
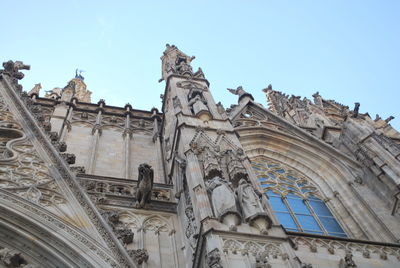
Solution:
(292, 196)
(291, 177)
(289, 188)
(262, 179)
(280, 171)
(298, 206)
(277, 203)
(320, 208)
(287, 221)
(308, 223)
(271, 193)
(331, 225)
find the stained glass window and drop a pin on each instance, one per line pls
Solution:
(295, 201)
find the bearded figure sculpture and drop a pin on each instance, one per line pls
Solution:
(144, 185)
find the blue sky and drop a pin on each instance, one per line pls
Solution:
(346, 50)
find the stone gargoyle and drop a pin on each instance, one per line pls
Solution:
(144, 185)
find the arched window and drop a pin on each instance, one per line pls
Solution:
(295, 201)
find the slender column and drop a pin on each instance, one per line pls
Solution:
(157, 141)
(174, 248)
(95, 140)
(63, 131)
(127, 140)
(142, 243)
(157, 232)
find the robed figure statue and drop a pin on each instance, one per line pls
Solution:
(248, 199)
(222, 196)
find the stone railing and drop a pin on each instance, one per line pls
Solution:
(109, 190)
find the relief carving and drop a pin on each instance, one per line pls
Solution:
(213, 259)
(13, 259)
(139, 255)
(347, 262)
(262, 260)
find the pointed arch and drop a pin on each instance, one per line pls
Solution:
(332, 171)
(44, 239)
(156, 223)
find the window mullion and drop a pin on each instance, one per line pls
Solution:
(284, 199)
(315, 217)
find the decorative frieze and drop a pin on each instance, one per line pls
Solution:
(254, 248)
(365, 250)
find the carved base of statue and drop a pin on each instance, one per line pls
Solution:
(261, 221)
(232, 219)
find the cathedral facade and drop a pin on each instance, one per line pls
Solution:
(302, 183)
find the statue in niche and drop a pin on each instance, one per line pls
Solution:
(197, 101)
(144, 185)
(182, 66)
(248, 199)
(222, 196)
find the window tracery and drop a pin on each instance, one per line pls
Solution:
(295, 200)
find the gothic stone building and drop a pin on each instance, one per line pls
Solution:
(299, 184)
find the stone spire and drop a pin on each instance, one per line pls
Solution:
(76, 88)
(175, 62)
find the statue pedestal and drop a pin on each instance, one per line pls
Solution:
(232, 219)
(261, 221)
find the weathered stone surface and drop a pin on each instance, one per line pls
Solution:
(200, 200)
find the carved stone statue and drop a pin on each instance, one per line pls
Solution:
(78, 74)
(248, 199)
(317, 99)
(144, 185)
(356, 109)
(182, 66)
(347, 262)
(139, 255)
(390, 118)
(12, 68)
(213, 259)
(198, 105)
(262, 260)
(197, 101)
(238, 91)
(35, 90)
(222, 196)
(220, 108)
